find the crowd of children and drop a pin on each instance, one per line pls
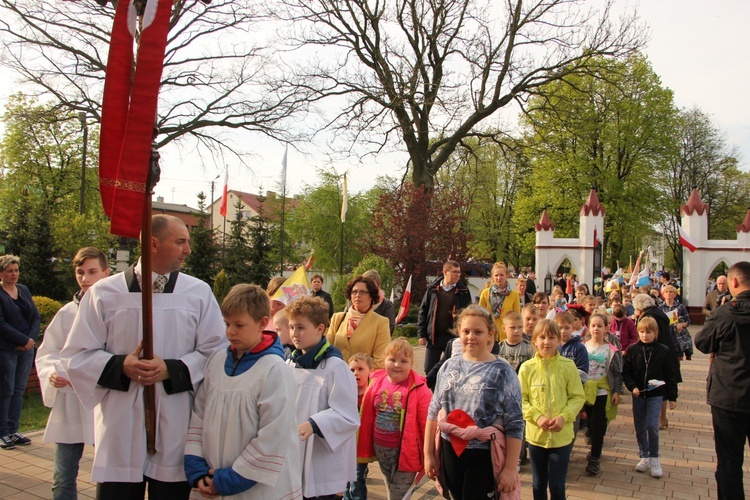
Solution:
(281, 414)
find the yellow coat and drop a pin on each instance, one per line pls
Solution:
(511, 303)
(370, 337)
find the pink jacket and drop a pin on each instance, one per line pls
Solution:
(628, 333)
(413, 421)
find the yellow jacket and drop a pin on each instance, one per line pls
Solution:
(511, 303)
(370, 337)
(550, 387)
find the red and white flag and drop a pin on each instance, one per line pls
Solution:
(310, 260)
(685, 241)
(405, 303)
(224, 193)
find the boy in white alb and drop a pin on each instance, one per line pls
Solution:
(241, 440)
(70, 425)
(327, 416)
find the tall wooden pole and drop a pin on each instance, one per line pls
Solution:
(149, 391)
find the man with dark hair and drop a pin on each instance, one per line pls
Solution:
(726, 336)
(316, 282)
(441, 303)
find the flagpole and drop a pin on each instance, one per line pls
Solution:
(283, 209)
(149, 392)
(344, 208)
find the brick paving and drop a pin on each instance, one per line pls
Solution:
(687, 456)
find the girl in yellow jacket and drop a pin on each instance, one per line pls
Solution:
(552, 396)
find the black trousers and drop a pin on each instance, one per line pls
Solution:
(469, 476)
(731, 432)
(596, 423)
(157, 490)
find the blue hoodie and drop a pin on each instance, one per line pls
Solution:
(575, 350)
(227, 481)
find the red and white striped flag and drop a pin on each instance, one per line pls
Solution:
(685, 241)
(223, 208)
(405, 303)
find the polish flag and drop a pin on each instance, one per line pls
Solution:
(405, 303)
(223, 208)
(685, 241)
(310, 260)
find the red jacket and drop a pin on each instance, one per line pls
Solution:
(413, 420)
(628, 332)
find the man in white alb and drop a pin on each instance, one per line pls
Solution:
(102, 357)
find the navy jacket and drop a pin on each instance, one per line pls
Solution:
(10, 319)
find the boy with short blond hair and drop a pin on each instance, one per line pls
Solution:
(241, 440)
(281, 325)
(70, 425)
(326, 406)
(514, 349)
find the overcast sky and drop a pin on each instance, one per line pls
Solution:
(698, 48)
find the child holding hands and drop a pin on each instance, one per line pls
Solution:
(552, 397)
(477, 408)
(242, 439)
(394, 413)
(647, 361)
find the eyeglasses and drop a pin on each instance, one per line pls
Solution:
(360, 292)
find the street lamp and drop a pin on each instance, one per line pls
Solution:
(85, 128)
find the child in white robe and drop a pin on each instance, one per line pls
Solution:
(70, 425)
(327, 415)
(242, 440)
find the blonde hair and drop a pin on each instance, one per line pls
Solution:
(530, 308)
(363, 357)
(399, 346)
(499, 265)
(649, 324)
(512, 316)
(250, 299)
(668, 287)
(7, 260)
(547, 327)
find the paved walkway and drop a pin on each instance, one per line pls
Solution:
(687, 456)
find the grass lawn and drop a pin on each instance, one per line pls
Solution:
(33, 413)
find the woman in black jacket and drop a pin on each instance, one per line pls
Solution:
(19, 328)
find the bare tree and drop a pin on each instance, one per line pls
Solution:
(216, 77)
(429, 72)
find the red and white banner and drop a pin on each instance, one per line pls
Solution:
(405, 303)
(685, 241)
(224, 195)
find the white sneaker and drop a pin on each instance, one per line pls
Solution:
(643, 465)
(656, 468)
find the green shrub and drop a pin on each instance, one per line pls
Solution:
(221, 286)
(381, 265)
(47, 307)
(337, 292)
(408, 330)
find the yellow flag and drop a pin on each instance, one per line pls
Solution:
(293, 288)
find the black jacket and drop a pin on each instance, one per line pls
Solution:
(426, 321)
(726, 335)
(10, 314)
(637, 370)
(327, 298)
(665, 335)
